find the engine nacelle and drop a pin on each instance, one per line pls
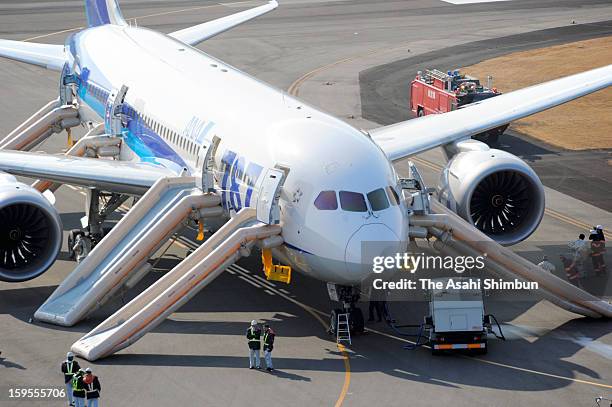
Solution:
(30, 231)
(495, 191)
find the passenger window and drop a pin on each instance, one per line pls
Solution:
(352, 202)
(378, 200)
(393, 196)
(326, 201)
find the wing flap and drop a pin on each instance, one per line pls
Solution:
(45, 55)
(201, 32)
(115, 176)
(417, 135)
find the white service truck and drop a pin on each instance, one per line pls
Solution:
(457, 319)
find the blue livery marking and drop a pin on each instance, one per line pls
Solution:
(237, 181)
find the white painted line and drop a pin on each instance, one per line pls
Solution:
(249, 281)
(471, 1)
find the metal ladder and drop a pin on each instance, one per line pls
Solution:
(343, 329)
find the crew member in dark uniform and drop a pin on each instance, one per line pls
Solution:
(78, 388)
(69, 368)
(92, 388)
(268, 345)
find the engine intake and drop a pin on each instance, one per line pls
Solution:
(30, 231)
(495, 191)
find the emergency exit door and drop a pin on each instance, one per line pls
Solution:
(269, 194)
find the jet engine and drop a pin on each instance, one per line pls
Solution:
(495, 191)
(30, 231)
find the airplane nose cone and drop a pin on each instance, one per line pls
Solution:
(369, 241)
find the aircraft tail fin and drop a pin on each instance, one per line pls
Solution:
(100, 12)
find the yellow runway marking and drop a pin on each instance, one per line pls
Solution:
(347, 375)
(315, 313)
(490, 362)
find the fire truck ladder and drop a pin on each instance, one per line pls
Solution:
(120, 259)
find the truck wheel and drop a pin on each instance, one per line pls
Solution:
(420, 112)
(435, 352)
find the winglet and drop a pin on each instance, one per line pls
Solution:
(201, 32)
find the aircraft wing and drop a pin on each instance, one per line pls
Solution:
(45, 55)
(415, 136)
(109, 175)
(201, 32)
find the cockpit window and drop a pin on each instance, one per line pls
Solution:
(352, 202)
(393, 196)
(378, 200)
(326, 201)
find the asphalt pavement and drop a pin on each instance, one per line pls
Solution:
(199, 355)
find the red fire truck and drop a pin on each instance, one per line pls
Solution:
(434, 91)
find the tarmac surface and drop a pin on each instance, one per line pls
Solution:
(198, 356)
(385, 99)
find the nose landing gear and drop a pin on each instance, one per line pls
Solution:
(348, 296)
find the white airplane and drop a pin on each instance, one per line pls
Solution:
(341, 188)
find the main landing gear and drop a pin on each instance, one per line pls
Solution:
(348, 296)
(100, 205)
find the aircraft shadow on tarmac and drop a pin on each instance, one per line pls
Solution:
(543, 350)
(373, 353)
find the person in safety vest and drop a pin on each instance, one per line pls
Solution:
(92, 388)
(253, 336)
(69, 369)
(78, 389)
(268, 345)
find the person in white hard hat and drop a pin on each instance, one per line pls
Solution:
(69, 368)
(254, 337)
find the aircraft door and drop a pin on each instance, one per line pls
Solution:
(268, 210)
(206, 160)
(112, 111)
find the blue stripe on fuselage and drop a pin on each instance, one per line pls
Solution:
(140, 138)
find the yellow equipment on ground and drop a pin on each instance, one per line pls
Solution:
(200, 236)
(274, 272)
